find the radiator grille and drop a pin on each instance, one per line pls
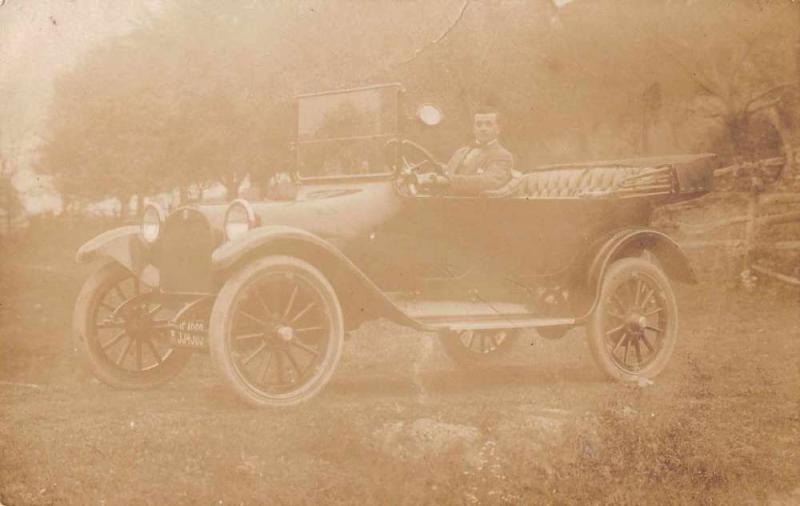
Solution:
(184, 258)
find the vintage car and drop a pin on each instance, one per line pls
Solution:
(272, 286)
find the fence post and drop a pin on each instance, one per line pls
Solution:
(751, 228)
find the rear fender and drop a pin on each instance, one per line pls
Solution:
(632, 243)
(123, 245)
(360, 297)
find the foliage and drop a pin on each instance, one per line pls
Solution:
(202, 93)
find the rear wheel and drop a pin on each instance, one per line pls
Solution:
(276, 331)
(478, 348)
(633, 330)
(122, 332)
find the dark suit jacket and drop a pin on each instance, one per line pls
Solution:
(488, 169)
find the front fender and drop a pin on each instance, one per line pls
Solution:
(122, 244)
(231, 253)
(351, 284)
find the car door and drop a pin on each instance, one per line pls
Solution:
(442, 246)
(499, 249)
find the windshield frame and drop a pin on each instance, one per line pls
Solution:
(296, 145)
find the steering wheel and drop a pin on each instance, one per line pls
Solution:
(413, 157)
(406, 150)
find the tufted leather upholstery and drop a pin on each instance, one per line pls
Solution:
(567, 182)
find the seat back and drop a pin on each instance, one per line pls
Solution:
(566, 183)
(552, 183)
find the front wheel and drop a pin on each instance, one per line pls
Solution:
(122, 331)
(276, 331)
(634, 328)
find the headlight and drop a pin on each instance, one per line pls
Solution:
(239, 218)
(152, 219)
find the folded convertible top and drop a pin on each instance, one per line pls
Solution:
(674, 177)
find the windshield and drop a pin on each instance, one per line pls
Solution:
(343, 133)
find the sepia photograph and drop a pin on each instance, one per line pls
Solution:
(400, 252)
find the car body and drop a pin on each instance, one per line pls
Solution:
(271, 286)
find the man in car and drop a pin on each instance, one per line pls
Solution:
(481, 166)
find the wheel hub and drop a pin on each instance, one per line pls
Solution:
(636, 322)
(284, 332)
(138, 324)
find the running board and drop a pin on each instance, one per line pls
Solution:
(499, 321)
(461, 315)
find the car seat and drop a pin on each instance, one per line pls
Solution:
(566, 182)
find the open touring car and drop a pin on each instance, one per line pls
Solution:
(271, 286)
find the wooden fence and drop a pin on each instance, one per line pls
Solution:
(767, 207)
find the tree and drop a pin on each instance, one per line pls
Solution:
(738, 59)
(202, 94)
(105, 136)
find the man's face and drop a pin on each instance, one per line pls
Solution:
(485, 128)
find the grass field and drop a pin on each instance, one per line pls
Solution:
(399, 424)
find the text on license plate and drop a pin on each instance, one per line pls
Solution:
(189, 334)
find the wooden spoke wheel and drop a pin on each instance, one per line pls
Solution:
(478, 348)
(634, 328)
(276, 331)
(122, 331)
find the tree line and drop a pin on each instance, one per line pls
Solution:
(201, 92)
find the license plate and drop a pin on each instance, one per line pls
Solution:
(189, 334)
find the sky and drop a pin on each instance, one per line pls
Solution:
(39, 39)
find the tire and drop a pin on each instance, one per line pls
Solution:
(124, 348)
(477, 349)
(259, 340)
(636, 314)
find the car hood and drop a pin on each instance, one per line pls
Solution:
(338, 212)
